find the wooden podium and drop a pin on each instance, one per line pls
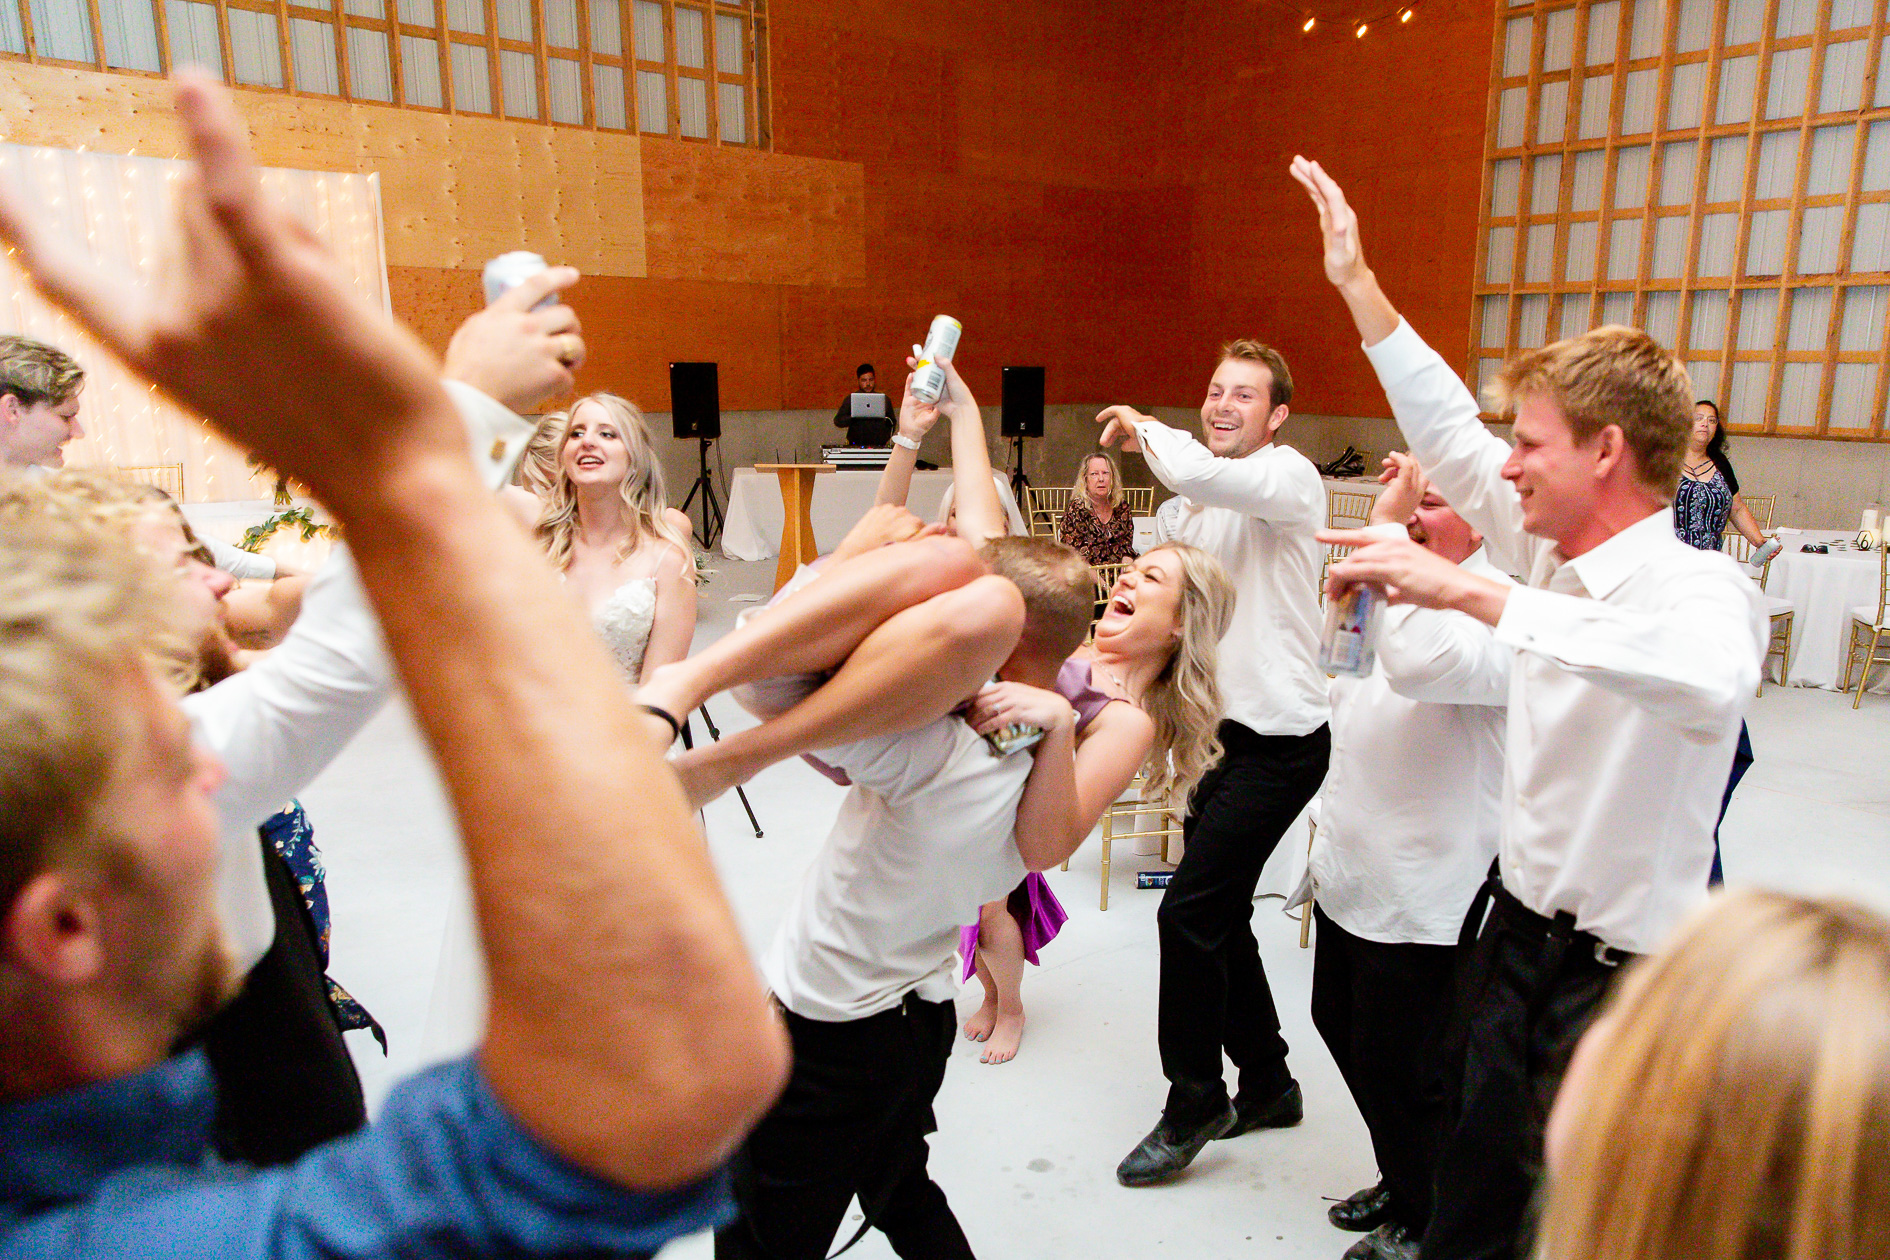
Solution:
(797, 523)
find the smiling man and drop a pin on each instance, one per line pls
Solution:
(39, 403)
(1634, 658)
(1255, 506)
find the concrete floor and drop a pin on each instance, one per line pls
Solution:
(1027, 1150)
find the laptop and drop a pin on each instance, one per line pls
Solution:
(866, 406)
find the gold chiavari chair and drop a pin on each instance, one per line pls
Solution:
(1870, 631)
(1760, 505)
(1133, 818)
(1106, 575)
(1780, 611)
(1349, 509)
(1140, 500)
(1047, 505)
(167, 477)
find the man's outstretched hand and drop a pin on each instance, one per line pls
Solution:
(516, 354)
(1118, 424)
(252, 324)
(1345, 253)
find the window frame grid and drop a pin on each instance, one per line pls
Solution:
(753, 77)
(1742, 289)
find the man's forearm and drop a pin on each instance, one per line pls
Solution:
(1372, 312)
(626, 1030)
(1481, 597)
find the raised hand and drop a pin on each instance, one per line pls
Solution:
(518, 355)
(252, 324)
(1338, 224)
(1404, 484)
(1410, 574)
(915, 418)
(1118, 424)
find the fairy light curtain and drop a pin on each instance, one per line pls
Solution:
(121, 207)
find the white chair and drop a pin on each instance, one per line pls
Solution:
(1869, 631)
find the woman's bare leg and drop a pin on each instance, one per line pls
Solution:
(914, 669)
(819, 626)
(979, 1026)
(1001, 958)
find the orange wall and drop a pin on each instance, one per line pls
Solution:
(1092, 185)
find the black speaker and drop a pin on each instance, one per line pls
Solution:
(1023, 403)
(695, 400)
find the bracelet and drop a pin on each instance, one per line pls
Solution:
(900, 439)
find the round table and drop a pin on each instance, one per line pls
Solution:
(1823, 590)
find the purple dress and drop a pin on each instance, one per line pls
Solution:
(1040, 916)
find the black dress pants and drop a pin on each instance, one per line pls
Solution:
(1382, 1010)
(1214, 994)
(1525, 995)
(853, 1121)
(285, 1081)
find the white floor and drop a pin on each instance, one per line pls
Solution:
(1027, 1150)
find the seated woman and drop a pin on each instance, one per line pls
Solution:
(1097, 523)
(606, 524)
(1733, 1100)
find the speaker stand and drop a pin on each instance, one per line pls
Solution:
(688, 741)
(711, 507)
(1020, 483)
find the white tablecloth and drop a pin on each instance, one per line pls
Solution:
(753, 528)
(1823, 590)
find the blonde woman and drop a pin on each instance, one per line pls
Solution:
(604, 521)
(538, 468)
(1097, 522)
(1733, 1100)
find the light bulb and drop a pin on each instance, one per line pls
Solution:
(1404, 15)
(1310, 22)
(1360, 32)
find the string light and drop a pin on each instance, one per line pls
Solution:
(1310, 23)
(1360, 32)
(1359, 24)
(1404, 15)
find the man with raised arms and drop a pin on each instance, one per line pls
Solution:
(1635, 656)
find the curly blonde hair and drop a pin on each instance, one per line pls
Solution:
(1185, 698)
(642, 488)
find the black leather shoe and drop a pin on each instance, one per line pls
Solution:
(1390, 1241)
(1169, 1148)
(1282, 1111)
(1364, 1210)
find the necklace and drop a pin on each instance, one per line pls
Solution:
(1095, 663)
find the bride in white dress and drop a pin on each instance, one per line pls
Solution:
(603, 519)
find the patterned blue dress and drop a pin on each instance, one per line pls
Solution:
(1700, 509)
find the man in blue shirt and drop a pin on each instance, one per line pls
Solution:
(629, 1047)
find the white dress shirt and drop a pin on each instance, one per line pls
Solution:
(1257, 515)
(926, 835)
(1412, 806)
(236, 562)
(278, 724)
(1636, 661)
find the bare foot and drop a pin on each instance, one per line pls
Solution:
(978, 1027)
(1005, 1035)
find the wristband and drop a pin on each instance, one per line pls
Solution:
(900, 439)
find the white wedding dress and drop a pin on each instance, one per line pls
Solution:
(456, 1014)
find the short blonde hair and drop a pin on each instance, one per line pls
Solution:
(1079, 491)
(1251, 351)
(1058, 586)
(35, 372)
(1740, 1104)
(1610, 375)
(80, 609)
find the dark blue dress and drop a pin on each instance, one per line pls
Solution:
(1700, 509)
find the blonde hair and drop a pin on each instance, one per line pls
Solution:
(538, 466)
(35, 372)
(1610, 375)
(1059, 590)
(80, 609)
(1185, 698)
(642, 488)
(1741, 1107)
(1079, 491)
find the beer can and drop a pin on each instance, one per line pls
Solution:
(941, 342)
(1016, 737)
(1349, 645)
(508, 271)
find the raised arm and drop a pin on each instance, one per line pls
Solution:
(915, 421)
(626, 1029)
(1436, 412)
(1269, 489)
(981, 513)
